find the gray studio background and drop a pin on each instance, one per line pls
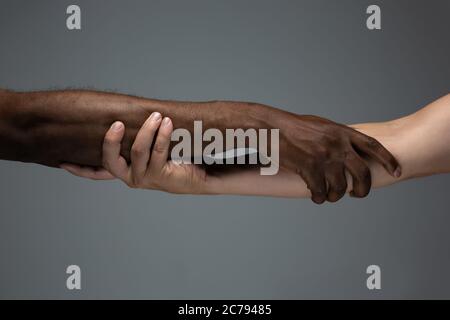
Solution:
(304, 56)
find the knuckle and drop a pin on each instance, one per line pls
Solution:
(363, 173)
(321, 153)
(137, 151)
(167, 172)
(159, 147)
(349, 155)
(334, 139)
(372, 143)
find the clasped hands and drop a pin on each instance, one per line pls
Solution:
(314, 149)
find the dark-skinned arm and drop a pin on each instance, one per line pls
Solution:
(55, 127)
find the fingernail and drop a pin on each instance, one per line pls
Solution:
(398, 172)
(117, 126)
(155, 116)
(166, 121)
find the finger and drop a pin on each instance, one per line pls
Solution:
(337, 183)
(140, 151)
(87, 172)
(112, 160)
(315, 180)
(160, 151)
(378, 152)
(362, 180)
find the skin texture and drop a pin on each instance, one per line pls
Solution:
(56, 127)
(420, 141)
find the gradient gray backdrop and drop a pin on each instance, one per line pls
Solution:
(304, 56)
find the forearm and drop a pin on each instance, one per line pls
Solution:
(68, 126)
(421, 141)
